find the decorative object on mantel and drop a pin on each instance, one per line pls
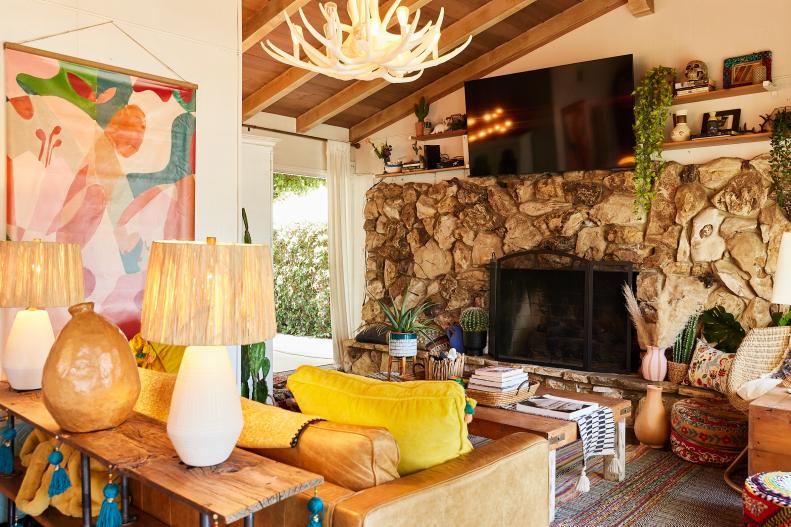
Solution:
(421, 112)
(722, 122)
(206, 296)
(383, 152)
(35, 275)
(653, 98)
(682, 350)
(474, 321)
(90, 379)
(442, 366)
(651, 425)
(697, 80)
(369, 51)
(780, 159)
(456, 337)
(393, 168)
(753, 68)
(681, 130)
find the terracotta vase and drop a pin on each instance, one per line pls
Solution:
(651, 426)
(90, 379)
(654, 365)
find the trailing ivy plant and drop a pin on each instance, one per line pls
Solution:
(653, 98)
(780, 159)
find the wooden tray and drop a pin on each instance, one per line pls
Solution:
(525, 390)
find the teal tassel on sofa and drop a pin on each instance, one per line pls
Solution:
(60, 482)
(7, 451)
(109, 515)
(315, 510)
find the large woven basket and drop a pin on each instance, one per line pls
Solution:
(502, 399)
(761, 351)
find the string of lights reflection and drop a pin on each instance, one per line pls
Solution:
(494, 122)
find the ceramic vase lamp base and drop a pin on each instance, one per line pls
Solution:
(205, 418)
(28, 345)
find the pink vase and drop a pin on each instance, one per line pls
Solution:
(654, 366)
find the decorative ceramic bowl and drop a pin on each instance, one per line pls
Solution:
(392, 168)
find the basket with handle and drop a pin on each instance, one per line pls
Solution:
(760, 352)
(505, 398)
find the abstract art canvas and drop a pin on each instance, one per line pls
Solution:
(101, 157)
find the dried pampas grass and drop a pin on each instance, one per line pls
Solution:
(681, 297)
(645, 336)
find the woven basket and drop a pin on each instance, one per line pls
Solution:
(760, 352)
(443, 369)
(501, 399)
(677, 371)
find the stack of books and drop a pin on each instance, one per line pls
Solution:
(497, 379)
(690, 87)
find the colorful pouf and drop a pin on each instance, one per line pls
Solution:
(707, 432)
(767, 500)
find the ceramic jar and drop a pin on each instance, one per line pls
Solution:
(651, 426)
(681, 132)
(654, 365)
(90, 379)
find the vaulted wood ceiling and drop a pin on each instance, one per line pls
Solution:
(502, 31)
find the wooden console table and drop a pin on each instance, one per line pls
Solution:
(140, 449)
(770, 432)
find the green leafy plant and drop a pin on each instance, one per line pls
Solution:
(721, 329)
(653, 98)
(400, 319)
(421, 110)
(685, 341)
(781, 319)
(474, 319)
(780, 160)
(289, 184)
(255, 363)
(383, 151)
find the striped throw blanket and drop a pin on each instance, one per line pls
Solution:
(597, 432)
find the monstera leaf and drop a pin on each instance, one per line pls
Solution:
(721, 329)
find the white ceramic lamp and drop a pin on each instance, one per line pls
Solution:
(781, 293)
(204, 296)
(35, 275)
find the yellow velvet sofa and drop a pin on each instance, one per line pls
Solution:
(502, 483)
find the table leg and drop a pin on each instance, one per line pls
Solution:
(248, 521)
(11, 512)
(615, 465)
(85, 474)
(552, 458)
(204, 520)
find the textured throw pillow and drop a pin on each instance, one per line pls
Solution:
(709, 367)
(754, 389)
(783, 371)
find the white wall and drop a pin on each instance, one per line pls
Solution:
(679, 31)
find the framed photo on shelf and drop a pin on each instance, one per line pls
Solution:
(744, 70)
(728, 123)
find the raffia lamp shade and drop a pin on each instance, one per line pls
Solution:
(205, 294)
(781, 294)
(40, 274)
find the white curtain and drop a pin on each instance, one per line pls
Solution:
(341, 243)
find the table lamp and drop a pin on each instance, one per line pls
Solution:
(206, 296)
(35, 275)
(781, 293)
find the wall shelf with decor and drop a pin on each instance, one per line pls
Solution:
(416, 172)
(442, 135)
(716, 141)
(719, 94)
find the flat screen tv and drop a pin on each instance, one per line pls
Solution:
(573, 117)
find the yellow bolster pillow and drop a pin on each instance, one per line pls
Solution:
(426, 418)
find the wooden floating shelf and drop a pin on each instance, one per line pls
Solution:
(714, 141)
(443, 135)
(412, 172)
(718, 94)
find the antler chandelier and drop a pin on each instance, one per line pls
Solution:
(368, 50)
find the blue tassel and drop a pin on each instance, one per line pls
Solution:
(315, 510)
(109, 515)
(7, 451)
(60, 482)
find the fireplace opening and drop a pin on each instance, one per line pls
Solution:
(556, 309)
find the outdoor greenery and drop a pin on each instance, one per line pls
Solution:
(653, 98)
(721, 329)
(285, 184)
(780, 159)
(302, 280)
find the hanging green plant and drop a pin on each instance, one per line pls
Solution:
(653, 98)
(780, 159)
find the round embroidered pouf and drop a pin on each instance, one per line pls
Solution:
(706, 431)
(767, 500)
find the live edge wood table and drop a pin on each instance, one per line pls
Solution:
(140, 450)
(495, 423)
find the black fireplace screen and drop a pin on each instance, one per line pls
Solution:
(556, 309)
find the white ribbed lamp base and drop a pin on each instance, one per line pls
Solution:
(205, 417)
(28, 345)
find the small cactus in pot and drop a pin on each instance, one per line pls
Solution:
(474, 322)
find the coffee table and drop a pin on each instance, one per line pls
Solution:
(494, 423)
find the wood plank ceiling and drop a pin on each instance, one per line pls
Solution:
(273, 87)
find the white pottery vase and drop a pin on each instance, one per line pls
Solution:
(654, 365)
(681, 132)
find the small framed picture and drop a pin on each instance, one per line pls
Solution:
(747, 69)
(727, 123)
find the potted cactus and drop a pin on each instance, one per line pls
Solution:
(474, 323)
(421, 112)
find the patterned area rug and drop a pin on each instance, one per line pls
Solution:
(660, 490)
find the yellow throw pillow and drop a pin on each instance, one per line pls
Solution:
(426, 418)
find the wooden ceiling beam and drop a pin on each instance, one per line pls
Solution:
(641, 7)
(474, 23)
(293, 78)
(255, 28)
(532, 39)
